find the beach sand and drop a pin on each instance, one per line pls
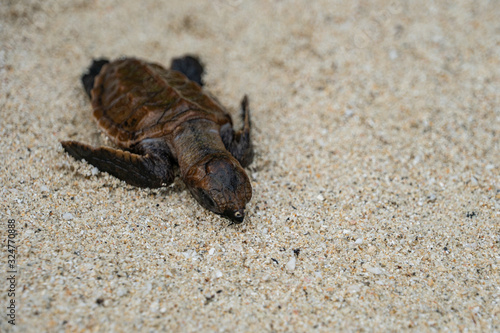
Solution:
(376, 187)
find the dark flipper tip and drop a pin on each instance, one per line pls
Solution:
(92, 72)
(137, 170)
(190, 66)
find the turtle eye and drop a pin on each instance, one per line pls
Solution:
(238, 216)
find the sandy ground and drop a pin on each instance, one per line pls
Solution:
(376, 188)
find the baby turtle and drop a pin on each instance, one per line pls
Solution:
(162, 119)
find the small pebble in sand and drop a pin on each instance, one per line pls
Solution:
(374, 270)
(94, 171)
(290, 265)
(67, 216)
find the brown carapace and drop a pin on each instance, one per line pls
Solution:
(161, 119)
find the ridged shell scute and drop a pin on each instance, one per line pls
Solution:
(134, 100)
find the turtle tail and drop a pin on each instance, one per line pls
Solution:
(92, 72)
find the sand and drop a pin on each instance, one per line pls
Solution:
(376, 187)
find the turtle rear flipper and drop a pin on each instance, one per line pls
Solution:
(189, 66)
(138, 170)
(89, 77)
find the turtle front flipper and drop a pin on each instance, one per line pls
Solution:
(239, 144)
(138, 170)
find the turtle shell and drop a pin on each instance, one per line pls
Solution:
(135, 100)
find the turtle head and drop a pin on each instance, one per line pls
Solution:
(220, 185)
